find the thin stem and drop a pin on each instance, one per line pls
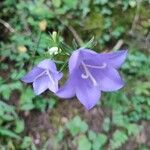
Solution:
(37, 47)
(136, 17)
(76, 35)
(63, 66)
(38, 42)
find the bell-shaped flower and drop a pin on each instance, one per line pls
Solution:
(44, 76)
(90, 73)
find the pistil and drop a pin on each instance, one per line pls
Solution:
(88, 74)
(46, 72)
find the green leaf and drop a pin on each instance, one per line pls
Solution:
(92, 135)
(84, 143)
(16, 75)
(106, 124)
(60, 134)
(26, 100)
(6, 89)
(19, 126)
(119, 138)
(8, 133)
(26, 142)
(71, 4)
(43, 103)
(6, 93)
(119, 119)
(56, 3)
(100, 140)
(90, 44)
(76, 125)
(118, 31)
(7, 117)
(133, 129)
(102, 2)
(27, 106)
(66, 48)
(7, 112)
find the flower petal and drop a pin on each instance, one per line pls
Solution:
(68, 90)
(87, 94)
(116, 59)
(58, 76)
(79, 55)
(48, 64)
(108, 79)
(41, 84)
(29, 77)
(53, 87)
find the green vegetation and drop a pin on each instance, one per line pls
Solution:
(45, 122)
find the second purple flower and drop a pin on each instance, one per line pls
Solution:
(44, 76)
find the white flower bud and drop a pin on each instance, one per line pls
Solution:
(53, 50)
(54, 35)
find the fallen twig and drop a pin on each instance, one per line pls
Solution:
(76, 35)
(136, 17)
(7, 25)
(118, 45)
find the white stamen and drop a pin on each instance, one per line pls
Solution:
(88, 74)
(46, 72)
(84, 76)
(52, 80)
(98, 67)
(50, 77)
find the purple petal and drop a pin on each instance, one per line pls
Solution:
(79, 55)
(87, 94)
(48, 64)
(108, 79)
(29, 77)
(58, 76)
(68, 90)
(41, 84)
(53, 87)
(116, 59)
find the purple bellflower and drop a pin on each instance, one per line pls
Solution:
(44, 76)
(90, 73)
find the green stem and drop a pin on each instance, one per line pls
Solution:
(37, 47)
(38, 42)
(63, 66)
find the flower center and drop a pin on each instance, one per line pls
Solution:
(55, 86)
(88, 73)
(49, 76)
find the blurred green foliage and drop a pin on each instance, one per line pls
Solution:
(76, 126)
(26, 27)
